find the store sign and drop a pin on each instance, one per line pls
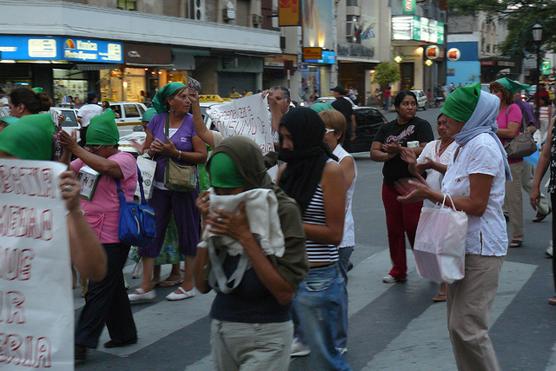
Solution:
(312, 53)
(418, 29)
(546, 67)
(327, 57)
(145, 54)
(432, 52)
(453, 54)
(83, 50)
(57, 48)
(409, 6)
(289, 13)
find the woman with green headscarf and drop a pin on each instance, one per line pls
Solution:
(475, 181)
(171, 135)
(509, 125)
(251, 323)
(101, 164)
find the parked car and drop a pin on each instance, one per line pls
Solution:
(422, 100)
(128, 113)
(369, 120)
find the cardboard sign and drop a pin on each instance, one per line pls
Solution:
(248, 116)
(36, 304)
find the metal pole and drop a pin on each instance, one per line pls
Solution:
(537, 78)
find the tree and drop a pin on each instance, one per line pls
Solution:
(387, 73)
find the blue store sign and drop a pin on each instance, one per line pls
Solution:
(60, 48)
(328, 57)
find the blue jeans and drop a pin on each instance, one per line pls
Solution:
(341, 338)
(318, 304)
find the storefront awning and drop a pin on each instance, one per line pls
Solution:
(96, 66)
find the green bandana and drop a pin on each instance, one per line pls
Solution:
(148, 115)
(462, 102)
(159, 100)
(38, 90)
(102, 130)
(224, 173)
(30, 138)
(9, 120)
(511, 85)
(320, 106)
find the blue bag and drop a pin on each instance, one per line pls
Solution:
(137, 221)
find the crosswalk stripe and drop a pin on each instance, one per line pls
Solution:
(411, 349)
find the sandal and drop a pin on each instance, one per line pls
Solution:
(439, 298)
(516, 243)
(180, 294)
(552, 300)
(170, 282)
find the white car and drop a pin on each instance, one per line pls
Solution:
(128, 113)
(422, 100)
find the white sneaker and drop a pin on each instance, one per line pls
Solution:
(299, 349)
(391, 279)
(180, 294)
(342, 351)
(140, 296)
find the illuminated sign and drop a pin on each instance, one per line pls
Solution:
(326, 57)
(418, 29)
(453, 54)
(432, 52)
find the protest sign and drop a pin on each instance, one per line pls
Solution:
(36, 304)
(148, 168)
(248, 116)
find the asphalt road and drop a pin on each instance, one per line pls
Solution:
(392, 327)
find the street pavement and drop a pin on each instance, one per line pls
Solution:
(392, 327)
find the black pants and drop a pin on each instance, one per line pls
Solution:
(553, 200)
(106, 302)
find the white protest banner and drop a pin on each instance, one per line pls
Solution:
(248, 116)
(36, 304)
(147, 168)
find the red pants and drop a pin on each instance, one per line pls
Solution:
(400, 218)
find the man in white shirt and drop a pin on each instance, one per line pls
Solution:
(87, 112)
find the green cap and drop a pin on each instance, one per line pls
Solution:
(321, 106)
(223, 172)
(148, 115)
(511, 85)
(30, 138)
(461, 103)
(159, 100)
(9, 120)
(102, 130)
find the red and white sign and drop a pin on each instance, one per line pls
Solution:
(36, 303)
(453, 54)
(432, 52)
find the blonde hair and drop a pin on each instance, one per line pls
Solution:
(334, 120)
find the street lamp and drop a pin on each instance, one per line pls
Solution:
(537, 37)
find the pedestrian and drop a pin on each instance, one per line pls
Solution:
(106, 301)
(386, 96)
(87, 111)
(335, 129)
(509, 122)
(345, 106)
(406, 131)
(475, 181)
(547, 159)
(433, 161)
(105, 105)
(251, 325)
(314, 179)
(184, 147)
(24, 101)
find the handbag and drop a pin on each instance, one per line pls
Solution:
(137, 220)
(178, 177)
(439, 247)
(522, 145)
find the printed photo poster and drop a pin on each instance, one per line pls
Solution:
(248, 116)
(36, 303)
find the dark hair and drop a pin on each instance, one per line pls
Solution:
(507, 96)
(401, 95)
(284, 90)
(439, 116)
(32, 101)
(91, 96)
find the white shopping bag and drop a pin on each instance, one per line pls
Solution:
(439, 247)
(147, 168)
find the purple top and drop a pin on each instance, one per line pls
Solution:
(182, 139)
(527, 111)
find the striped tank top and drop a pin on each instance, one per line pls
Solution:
(314, 214)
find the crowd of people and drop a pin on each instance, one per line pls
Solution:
(276, 251)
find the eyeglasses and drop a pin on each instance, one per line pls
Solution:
(329, 130)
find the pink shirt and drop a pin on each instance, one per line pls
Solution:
(511, 113)
(103, 211)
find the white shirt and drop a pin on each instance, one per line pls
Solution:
(486, 235)
(87, 112)
(348, 240)
(434, 178)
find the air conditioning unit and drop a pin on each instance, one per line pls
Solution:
(197, 10)
(257, 20)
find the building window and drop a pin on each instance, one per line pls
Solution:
(127, 4)
(353, 30)
(352, 3)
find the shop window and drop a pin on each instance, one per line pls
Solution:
(131, 111)
(127, 4)
(353, 30)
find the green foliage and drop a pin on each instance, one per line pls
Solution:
(387, 73)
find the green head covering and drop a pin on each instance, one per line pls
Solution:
(148, 115)
(38, 89)
(511, 85)
(461, 103)
(9, 120)
(321, 106)
(30, 138)
(223, 172)
(102, 130)
(159, 100)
